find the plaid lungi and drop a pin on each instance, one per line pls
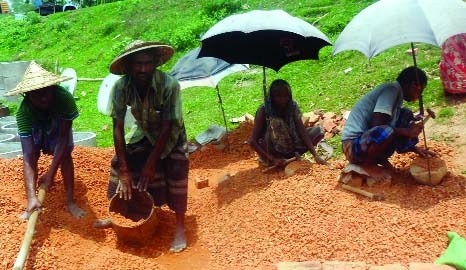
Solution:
(355, 149)
(170, 185)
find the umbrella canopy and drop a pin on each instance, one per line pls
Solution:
(206, 71)
(269, 38)
(388, 23)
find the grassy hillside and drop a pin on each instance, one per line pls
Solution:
(88, 39)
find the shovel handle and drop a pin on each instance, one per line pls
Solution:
(24, 250)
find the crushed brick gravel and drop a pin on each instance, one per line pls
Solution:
(244, 219)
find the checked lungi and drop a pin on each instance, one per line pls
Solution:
(355, 149)
(170, 185)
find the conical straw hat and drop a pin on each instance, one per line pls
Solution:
(35, 77)
(162, 53)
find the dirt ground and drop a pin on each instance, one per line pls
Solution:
(246, 219)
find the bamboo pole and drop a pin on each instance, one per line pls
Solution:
(24, 250)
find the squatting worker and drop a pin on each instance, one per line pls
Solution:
(153, 155)
(44, 120)
(378, 125)
(279, 133)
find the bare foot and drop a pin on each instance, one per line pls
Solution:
(387, 165)
(25, 215)
(33, 205)
(75, 210)
(179, 243)
(377, 172)
(103, 223)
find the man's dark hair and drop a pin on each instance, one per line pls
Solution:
(412, 74)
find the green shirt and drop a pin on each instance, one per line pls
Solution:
(62, 107)
(162, 102)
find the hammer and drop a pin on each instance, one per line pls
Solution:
(297, 156)
(430, 114)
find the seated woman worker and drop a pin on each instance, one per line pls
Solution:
(279, 133)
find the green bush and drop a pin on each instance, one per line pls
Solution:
(222, 8)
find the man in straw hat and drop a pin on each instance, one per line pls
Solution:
(154, 157)
(44, 119)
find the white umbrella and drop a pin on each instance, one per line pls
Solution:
(388, 23)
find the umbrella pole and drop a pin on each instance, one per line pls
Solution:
(223, 113)
(264, 89)
(421, 103)
(421, 111)
(264, 84)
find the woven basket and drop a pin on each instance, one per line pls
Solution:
(419, 169)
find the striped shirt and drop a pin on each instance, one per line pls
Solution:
(162, 102)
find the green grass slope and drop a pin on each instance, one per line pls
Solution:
(89, 38)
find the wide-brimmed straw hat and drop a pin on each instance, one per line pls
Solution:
(162, 53)
(35, 77)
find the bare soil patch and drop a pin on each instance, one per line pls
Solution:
(246, 219)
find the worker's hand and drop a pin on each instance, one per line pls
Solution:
(124, 185)
(279, 162)
(424, 152)
(415, 129)
(46, 179)
(320, 160)
(146, 177)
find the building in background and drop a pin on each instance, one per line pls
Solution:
(4, 7)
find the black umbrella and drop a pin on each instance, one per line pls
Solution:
(206, 71)
(269, 38)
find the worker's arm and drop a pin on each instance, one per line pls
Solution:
(59, 151)
(30, 172)
(149, 170)
(380, 119)
(258, 131)
(125, 176)
(307, 141)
